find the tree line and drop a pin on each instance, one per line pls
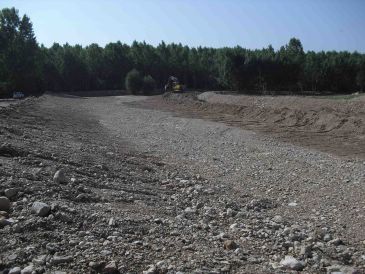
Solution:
(27, 66)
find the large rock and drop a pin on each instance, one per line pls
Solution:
(41, 209)
(5, 222)
(27, 270)
(111, 222)
(40, 260)
(4, 214)
(336, 242)
(61, 259)
(15, 270)
(60, 177)
(291, 263)
(151, 270)
(4, 204)
(229, 245)
(10, 192)
(111, 268)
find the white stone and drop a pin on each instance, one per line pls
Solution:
(111, 267)
(189, 210)
(111, 222)
(5, 222)
(27, 270)
(60, 177)
(291, 263)
(277, 219)
(151, 270)
(15, 270)
(40, 209)
(40, 260)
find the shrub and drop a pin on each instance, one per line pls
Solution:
(133, 81)
(149, 84)
(4, 90)
(360, 80)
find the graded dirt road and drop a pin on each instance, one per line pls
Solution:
(157, 192)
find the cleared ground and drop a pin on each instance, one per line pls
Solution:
(178, 186)
(334, 124)
(7, 102)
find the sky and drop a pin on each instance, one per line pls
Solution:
(319, 24)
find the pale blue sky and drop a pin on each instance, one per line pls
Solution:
(319, 24)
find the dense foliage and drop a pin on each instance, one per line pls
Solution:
(149, 84)
(19, 66)
(133, 81)
(26, 66)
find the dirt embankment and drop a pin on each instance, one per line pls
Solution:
(304, 113)
(334, 126)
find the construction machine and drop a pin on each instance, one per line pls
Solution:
(173, 85)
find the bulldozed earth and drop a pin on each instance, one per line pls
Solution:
(182, 183)
(334, 124)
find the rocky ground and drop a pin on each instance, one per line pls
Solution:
(98, 185)
(6, 102)
(333, 124)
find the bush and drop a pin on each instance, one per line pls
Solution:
(4, 90)
(133, 81)
(149, 84)
(360, 80)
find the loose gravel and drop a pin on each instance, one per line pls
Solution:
(150, 192)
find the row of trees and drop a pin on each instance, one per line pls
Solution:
(24, 65)
(19, 68)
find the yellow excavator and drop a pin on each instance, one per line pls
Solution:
(173, 85)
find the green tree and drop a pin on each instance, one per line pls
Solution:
(74, 69)
(117, 64)
(360, 79)
(294, 48)
(133, 81)
(18, 52)
(149, 84)
(95, 63)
